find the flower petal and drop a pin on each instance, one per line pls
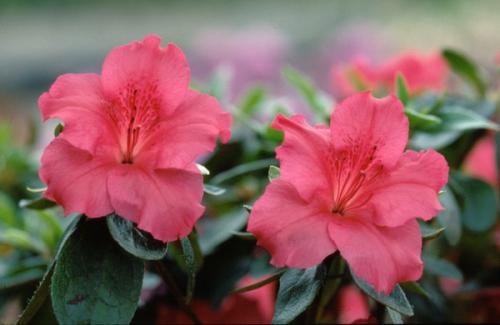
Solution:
(382, 256)
(370, 124)
(75, 179)
(294, 231)
(410, 190)
(163, 202)
(77, 99)
(188, 132)
(303, 155)
(147, 67)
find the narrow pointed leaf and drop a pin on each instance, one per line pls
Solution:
(402, 89)
(37, 204)
(394, 316)
(466, 69)
(190, 260)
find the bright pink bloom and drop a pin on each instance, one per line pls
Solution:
(131, 137)
(420, 72)
(351, 187)
(481, 161)
(353, 306)
(252, 307)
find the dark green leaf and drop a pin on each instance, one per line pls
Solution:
(213, 190)
(449, 218)
(429, 232)
(217, 230)
(297, 290)
(58, 129)
(242, 169)
(394, 316)
(243, 235)
(95, 280)
(465, 68)
(7, 211)
(396, 300)
(402, 89)
(135, 241)
(252, 100)
(274, 172)
(480, 202)
(37, 204)
(190, 260)
(414, 287)
(441, 267)
(457, 118)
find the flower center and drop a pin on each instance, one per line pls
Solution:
(352, 171)
(136, 115)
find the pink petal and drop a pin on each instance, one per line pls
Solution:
(294, 231)
(163, 202)
(371, 124)
(147, 67)
(303, 155)
(75, 179)
(77, 99)
(188, 132)
(481, 161)
(353, 305)
(411, 189)
(382, 256)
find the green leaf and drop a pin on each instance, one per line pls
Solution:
(402, 89)
(42, 292)
(190, 260)
(319, 103)
(58, 129)
(95, 280)
(396, 300)
(241, 170)
(37, 204)
(441, 267)
(466, 69)
(449, 218)
(213, 190)
(429, 232)
(7, 211)
(274, 172)
(297, 290)
(479, 202)
(244, 235)
(135, 241)
(421, 121)
(457, 118)
(394, 316)
(217, 230)
(252, 100)
(23, 240)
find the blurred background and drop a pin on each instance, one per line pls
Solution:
(43, 39)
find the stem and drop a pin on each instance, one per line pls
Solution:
(259, 284)
(170, 282)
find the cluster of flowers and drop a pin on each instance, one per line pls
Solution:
(132, 136)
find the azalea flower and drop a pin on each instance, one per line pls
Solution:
(352, 188)
(481, 161)
(420, 72)
(131, 138)
(353, 307)
(251, 307)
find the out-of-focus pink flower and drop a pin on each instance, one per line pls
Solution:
(481, 161)
(449, 286)
(251, 55)
(252, 307)
(353, 306)
(130, 140)
(421, 73)
(351, 187)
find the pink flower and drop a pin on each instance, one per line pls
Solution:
(481, 161)
(252, 307)
(131, 137)
(353, 306)
(421, 73)
(351, 188)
